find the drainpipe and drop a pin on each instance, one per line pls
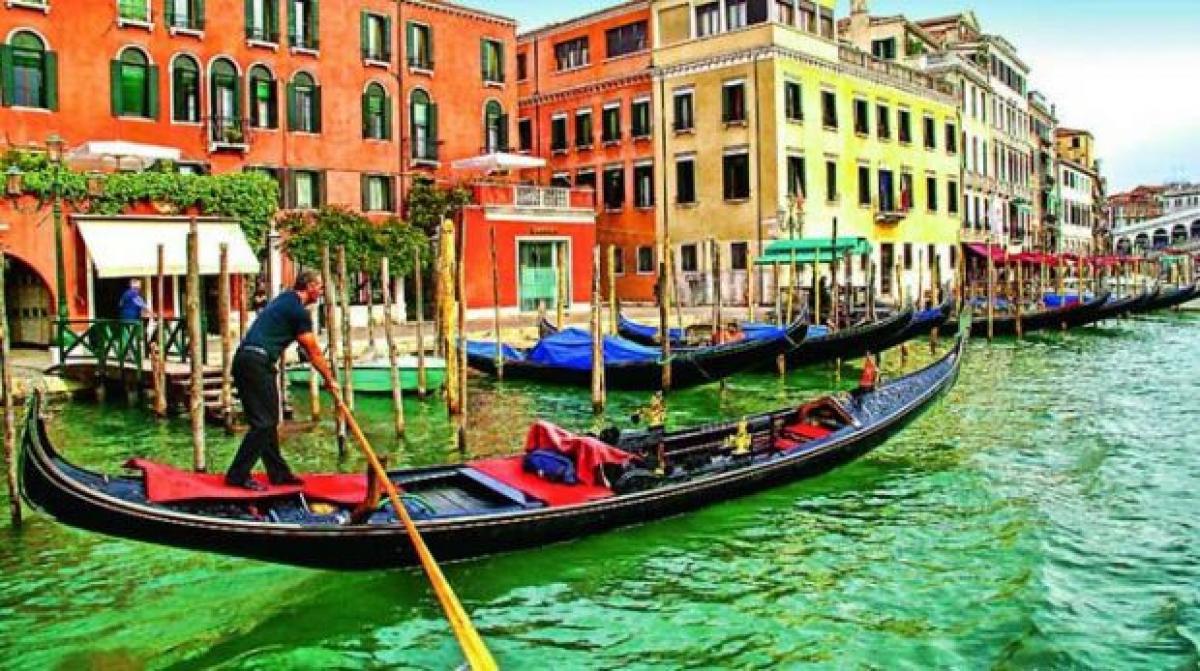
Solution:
(401, 100)
(666, 196)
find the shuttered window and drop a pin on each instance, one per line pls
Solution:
(376, 37)
(186, 14)
(377, 113)
(262, 20)
(495, 128)
(420, 46)
(304, 104)
(28, 73)
(304, 24)
(264, 98)
(134, 85)
(491, 54)
(423, 115)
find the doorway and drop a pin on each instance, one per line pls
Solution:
(27, 299)
(537, 273)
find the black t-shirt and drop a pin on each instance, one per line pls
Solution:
(279, 324)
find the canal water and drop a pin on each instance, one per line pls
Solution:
(1043, 516)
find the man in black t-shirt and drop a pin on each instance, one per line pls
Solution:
(283, 321)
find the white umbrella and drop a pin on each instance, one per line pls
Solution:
(499, 162)
(120, 151)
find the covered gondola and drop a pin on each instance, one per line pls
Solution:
(1070, 316)
(486, 506)
(566, 358)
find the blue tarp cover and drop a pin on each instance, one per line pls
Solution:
(816, 331)
(1055, 301)
(572, 348)
(648, 331)
(487, 350)
(752, 330)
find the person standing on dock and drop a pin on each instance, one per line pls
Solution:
(132, 306)
(283, 321)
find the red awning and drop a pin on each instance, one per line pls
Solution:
(998, 253)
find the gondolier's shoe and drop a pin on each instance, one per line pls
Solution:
(249, 484)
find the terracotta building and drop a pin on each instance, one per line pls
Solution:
(586, 96)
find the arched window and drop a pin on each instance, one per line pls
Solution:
(424, 127)
(495, 128)
(185, 90)
(134, 85)
(304, 104)
(1141, 243)
(225, 102)
(264, 98)
(377, 113)
(30, 72)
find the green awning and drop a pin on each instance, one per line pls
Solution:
(810, 250)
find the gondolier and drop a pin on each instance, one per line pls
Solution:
(283, 321)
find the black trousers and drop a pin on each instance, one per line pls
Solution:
(256, 378)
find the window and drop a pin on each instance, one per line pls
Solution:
(614, 188)
(640, 122)
(377, 193)
(307, 189)
(883, 122)
(586, 178)
(643, 186)
(887, 261)
(495, 128)
(829, 117)
(262, 21)
(797, 177)
(688, 261)
(786, 11)
(930, 133)
(626, 39)
(793, 101)
(377, 113)
(733, 102)
(28, 73)
(951, 138)
(304, 104)
(302, 24)
(424, 132)
(618, 261)
(420, 46)
(864, 185)
(831, 185)
(952, 197)
(685, 180)
(522, 67)
(826, 23)
(491, 56)
(735, 14)
(611, 131)
(907, 194)
(685, 119)
(808, 16)
(225, 103)
(905, 126)
(645, 260)
(134, 85)
(887, 192)
(376, 37)
(908, 256)
(525, 135)
(185, 90)
(862, 113)
(572, 54)
(931, 194)
(264, 105)
(708, 19)
(735, 171)
(133, 10)
(558, 133)
(185, 14)
(584, 136)
(739, 255)
(191, 168)
(561, 180)
(884, 50)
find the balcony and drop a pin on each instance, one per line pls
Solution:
(227, 134)
(889, 214)
(532, 198)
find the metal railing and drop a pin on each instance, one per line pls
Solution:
(118, 342)
(228, 132)
(548, 197)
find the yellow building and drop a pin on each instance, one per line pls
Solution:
(757, 101)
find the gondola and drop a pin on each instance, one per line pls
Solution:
(1124, 306)
(923, 323)
(648, 335)
(1169, 298)
(565, 358)
(1071, 316)
(850, 343)
(489, 506)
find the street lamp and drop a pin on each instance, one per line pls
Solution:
(54, 152)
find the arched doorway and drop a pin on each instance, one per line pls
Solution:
(27, 297)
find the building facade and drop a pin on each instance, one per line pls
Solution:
(773, 129)
(1077, 160)
(1046, 199)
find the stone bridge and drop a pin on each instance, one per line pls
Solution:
(1177, 230)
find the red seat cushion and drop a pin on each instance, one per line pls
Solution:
(806, 430)
(167, 484)
(509, 471)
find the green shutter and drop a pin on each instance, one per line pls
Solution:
(198, 10)
(410, 46)
(387, 117)
(152, 90)
(315, 22)
(366, 115)
(237, 97)
(293, 116)
(50, 81)
(7, 80)
(502, 132)
(387, 38)
(247, 14)
(483, 57)
(114, 79)
(430, 61)
(316, 103)
(291, 23)
(322, 189)
(364, 30)
(500, 61)
(362, 188)
(433, 127)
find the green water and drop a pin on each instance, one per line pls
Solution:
(1043, 516)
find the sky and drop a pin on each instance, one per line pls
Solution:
(1127, 70)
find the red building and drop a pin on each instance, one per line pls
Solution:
(341, 103)
(585, 105)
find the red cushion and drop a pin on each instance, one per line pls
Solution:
(509, 471)
(166, 484)
(806, 430)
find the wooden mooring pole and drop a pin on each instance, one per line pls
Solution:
(991, 291)
(196, 402)
(419, 310)
(597, 337)
(496, 306)
(448, 317)
(385, 280)
(159, 362)
(347, 334)
(664, 323)
(333, 336)
(614, 306)
(223, 290)
(560, 268)
(6, 390)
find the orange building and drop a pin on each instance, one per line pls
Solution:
(341, 103)
(585, 106)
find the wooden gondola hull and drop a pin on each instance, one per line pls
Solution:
(1121, 307)
(1068, 317)
(851, 343)
(1169, 298)
(60, 490)
(921, 325)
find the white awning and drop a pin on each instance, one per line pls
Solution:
(499, 162)
(121, 154)
(128, 246)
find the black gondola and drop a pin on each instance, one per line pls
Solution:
(923, 323)
(850, 343)
(688, 367)
(1071, 316)
(1122, 307)
(1169, 298)
(486, 507)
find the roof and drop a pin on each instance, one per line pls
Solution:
(583, 19)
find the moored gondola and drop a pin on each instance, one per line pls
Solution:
(1124, 306)
(923, 323)
(1070, 316)
(487, 506)
(1169, 298)
(850, 343)
(565, 358)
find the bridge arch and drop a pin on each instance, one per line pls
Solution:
(1162, 239)
(1196, 229)
(1124, 247)
(1179, 234)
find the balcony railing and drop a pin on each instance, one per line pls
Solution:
(904, 74)
(228, 133)
(542, 197)
(533, 197)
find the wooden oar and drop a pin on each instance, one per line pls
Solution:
(477, 654)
